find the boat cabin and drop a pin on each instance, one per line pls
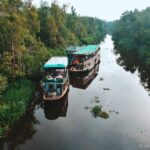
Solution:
(84, 59)
(71, 50)
(55, 81)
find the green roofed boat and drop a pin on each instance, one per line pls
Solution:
(55, 82)
(83, 59)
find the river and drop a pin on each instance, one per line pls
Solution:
(70, 125)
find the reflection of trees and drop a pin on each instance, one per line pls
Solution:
(22, 131)
(131, 62)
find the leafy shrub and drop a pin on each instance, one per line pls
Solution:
(3, 132)
(14, 102)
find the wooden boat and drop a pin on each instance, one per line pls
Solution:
(83, 59)
(55, 82)
(82, 81)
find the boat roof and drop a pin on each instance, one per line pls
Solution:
(89, 49)
(74, 48)
(56, 62)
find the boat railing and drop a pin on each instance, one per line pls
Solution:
(55, 81)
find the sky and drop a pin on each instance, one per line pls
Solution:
(107, 10)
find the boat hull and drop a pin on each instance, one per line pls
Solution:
(53, 98)
(86, 70)
(85, 66)
(55, 109)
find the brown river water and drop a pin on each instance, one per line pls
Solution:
(69, 125)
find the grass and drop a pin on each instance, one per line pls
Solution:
(14, 102)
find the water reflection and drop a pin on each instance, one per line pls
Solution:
(83, 80)
(79, 130)
(132, 63)
(22, 131)
(56, 108)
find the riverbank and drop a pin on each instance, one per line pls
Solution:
(13, 103)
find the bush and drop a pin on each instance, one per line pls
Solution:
(3, 132)
(57, 52)
(14, 102)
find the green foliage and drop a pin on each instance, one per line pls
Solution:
(96, 110)
(3, 131)
(29, 36)
(110, 26)
(19, 90)
(14, 102)
(57, 52)
(92, 31)
(131, 34)
(34, 58)
(59, 29)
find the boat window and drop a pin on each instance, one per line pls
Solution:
(52, 88)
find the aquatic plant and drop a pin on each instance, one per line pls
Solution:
(104, 115)
(96, 110)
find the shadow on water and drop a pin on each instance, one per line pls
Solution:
(131, 62)
(22, 131)
(56, 109)
(83, 80)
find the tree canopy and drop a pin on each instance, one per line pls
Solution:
(132, 34)
(30, 35)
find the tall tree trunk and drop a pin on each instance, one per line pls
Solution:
(2, 43)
